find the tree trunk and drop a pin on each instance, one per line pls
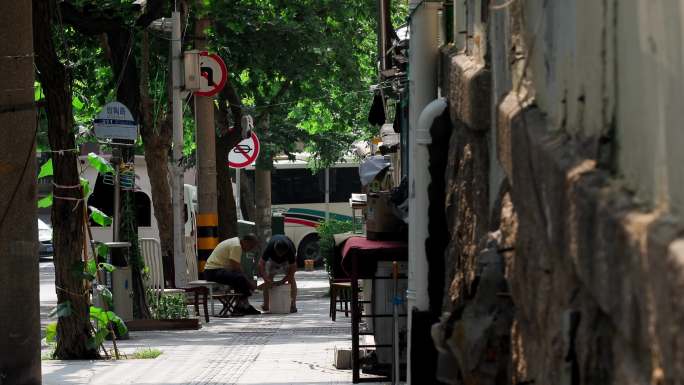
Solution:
(247, 203)
(73, 331)
(262, 177)
(225, 141)
(124, 67)
(157, 136)
(19, 312)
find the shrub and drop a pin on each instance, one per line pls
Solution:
(168, 306)
(326, 231)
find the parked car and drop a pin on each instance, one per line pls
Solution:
(45, 249)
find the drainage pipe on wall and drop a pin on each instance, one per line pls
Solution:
(423, 60)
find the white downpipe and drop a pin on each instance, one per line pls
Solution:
(423, 59)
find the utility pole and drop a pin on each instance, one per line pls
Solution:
(20, 336)
(176, 167)
(207, 217)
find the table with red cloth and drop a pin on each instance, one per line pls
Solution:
(360, 258)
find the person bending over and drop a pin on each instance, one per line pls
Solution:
(279, 258)
(224, 267)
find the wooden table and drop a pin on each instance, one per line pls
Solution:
(360, 257)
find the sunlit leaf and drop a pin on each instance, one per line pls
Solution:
(76, 103)
(99, 217)
(99, 163)
(38, 91)
(51, 332)
(45, 202)
(46, 169)
(86, 187)
(99, 315)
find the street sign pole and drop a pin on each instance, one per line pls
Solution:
(238, 209)
(176, 167)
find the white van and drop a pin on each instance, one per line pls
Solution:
(102, 198)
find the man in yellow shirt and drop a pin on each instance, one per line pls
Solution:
(223, 266)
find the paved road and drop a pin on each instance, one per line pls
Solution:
(265, 349)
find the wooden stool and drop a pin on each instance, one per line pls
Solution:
(229, 302)
(341, 289)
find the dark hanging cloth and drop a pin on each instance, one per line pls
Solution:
(401, 112)
(376, 116)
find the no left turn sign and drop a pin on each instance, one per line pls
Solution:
(245, 153)
(213, 74)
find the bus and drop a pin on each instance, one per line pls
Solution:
(299, 195)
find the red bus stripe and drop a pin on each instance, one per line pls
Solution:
(301, 222)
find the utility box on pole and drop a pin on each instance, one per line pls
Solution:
(192, 72)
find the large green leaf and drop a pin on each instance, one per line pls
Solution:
(45, 202)
(121, 327)
(100, 316)
(46, 169)
(99, 163)
(99, 217)
(62, 309)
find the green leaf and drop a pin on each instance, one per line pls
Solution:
(76, 103)
(51, 332)
(99, 217)
(86, 187)
(107, 267)
(46, 169)
(100, 316)
(105, 294)
(121, 327)
(45, 202)
(99, 163)
(38, 91)
(102, 250)
(78, 270)
(91, 267)
(96, 340)
(62, 310)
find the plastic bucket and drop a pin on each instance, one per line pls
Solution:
(280, 299)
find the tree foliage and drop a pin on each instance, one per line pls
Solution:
(308, 63)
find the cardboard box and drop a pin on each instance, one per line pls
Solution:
(381, 223)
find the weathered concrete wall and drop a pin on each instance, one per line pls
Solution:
(565, 157)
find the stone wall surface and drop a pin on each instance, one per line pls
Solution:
(560, 164)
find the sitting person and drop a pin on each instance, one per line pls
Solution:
(279, 258)
(223, 266)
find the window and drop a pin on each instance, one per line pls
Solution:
(297, 186)
(343, 182)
